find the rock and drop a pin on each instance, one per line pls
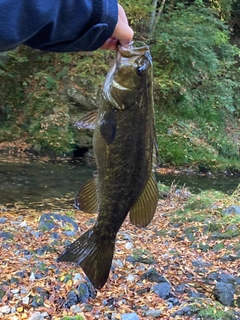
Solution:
(162, 289)
(153, 313)
(199, 263)
(174, 301)
(23, 224)
(180, 288)
(232, 231)
(3, 220)
(130, 316)
(72, 299)
(129, 245)
(77, 277)
(153, 275)
(234, 209)
(48, 222)
(25, 300)
(118, 263)
(83, 293)
(6, 235)
(36, 316)
(143, 256)
(224, 293)
(185, 311)
(5, 309)
(130, 278)
(76, 309)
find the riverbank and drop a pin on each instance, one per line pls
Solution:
(184, 265)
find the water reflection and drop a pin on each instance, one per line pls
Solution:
(35, 184)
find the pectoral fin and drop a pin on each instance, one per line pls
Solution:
(107, 121)
(88, 121)
(143, 210)
(86, 199)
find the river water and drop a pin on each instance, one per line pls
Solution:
(38, 185)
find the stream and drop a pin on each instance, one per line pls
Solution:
(38, 185)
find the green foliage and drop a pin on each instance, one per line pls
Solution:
(216, 312)
(196, 84)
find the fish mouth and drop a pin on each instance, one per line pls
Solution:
(133, 49)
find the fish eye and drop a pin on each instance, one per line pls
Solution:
(139, 71)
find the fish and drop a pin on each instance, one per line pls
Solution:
(124, 145)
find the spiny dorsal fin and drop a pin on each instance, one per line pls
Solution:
(88, 121)
(143, 210)
(87, 199)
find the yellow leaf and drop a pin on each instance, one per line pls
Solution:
(19, 309)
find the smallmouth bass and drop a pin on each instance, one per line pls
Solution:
(125, 149)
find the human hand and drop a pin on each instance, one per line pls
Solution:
(122, 32)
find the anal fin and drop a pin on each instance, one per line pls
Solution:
(87, 199)
(142, 212)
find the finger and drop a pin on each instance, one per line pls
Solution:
(123, 32)
(122, 14)
(110, 44)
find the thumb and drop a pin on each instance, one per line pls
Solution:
(123, 32)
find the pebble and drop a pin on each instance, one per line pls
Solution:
(5, 309)
(130, 316)
(162, 289)
(25, 300)
(36, 316)
(15, 290)
(130, 278)
(3, 220)
(77, 277)
(32, 277)
(118, 263)
(153, 313)
(23, 224)
(129, 245)
(76, 309)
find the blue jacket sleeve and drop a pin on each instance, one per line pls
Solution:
(57, 25)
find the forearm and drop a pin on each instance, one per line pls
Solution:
(57, 25)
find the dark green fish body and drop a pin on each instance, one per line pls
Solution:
(124, 147)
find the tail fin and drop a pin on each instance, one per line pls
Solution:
(93, 254)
